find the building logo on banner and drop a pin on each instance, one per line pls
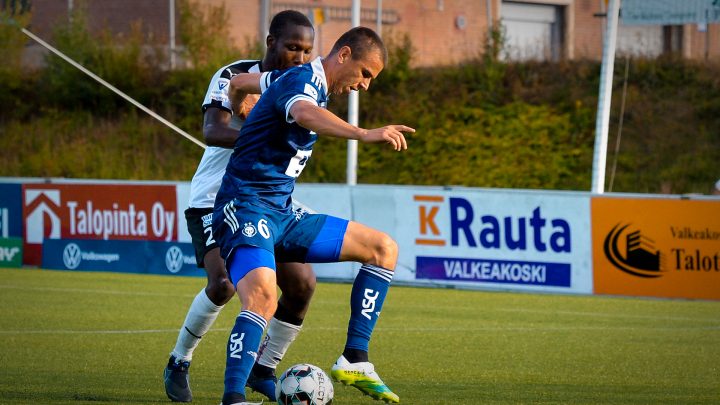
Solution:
(657, 247)
(72, 256)
(469, 229)
(42, 219)
(641, 258)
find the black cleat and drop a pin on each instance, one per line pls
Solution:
(177, 380)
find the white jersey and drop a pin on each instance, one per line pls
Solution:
(208, 176)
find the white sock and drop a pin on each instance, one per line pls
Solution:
(199, 319)
(277, 340)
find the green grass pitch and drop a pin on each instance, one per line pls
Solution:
(104, 338)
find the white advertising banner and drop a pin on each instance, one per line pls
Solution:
(183, 198)
(494, 239)
(474, 238)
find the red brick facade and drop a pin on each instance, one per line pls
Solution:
(442, 31)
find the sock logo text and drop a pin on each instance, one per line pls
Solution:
(368, 302)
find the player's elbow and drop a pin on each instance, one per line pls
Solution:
(302, 113)
(220, 136)
(210, 135)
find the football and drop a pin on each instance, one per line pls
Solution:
(304, 384)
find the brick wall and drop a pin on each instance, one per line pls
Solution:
(442, 31)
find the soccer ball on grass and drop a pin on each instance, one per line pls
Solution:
(304, 384)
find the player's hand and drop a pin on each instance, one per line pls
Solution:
(392, 134)
(247, 105)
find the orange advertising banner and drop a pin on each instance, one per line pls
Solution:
(656, 247)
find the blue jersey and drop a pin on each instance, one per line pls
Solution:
(272, 149)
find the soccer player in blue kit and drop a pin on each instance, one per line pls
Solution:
(289, 43)
(254, 222)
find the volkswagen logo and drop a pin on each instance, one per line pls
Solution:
(72, 256)
(174, 259)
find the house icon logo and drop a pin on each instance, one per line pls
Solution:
(641, 259)
(42, 219)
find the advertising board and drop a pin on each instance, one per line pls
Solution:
(656, 247)
(103, 211)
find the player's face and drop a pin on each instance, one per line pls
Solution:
(356, 74)
(291, 49)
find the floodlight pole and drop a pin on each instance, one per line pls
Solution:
(353, 106)
(171, 19)
(264, 26)
(602, 123)
(378, 21)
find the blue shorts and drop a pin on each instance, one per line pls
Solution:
(251, 236)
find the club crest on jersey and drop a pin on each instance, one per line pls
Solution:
(299, 213)
(249, 230)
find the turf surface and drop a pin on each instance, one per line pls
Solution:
(84, 337)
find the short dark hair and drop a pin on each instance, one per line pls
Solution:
(285, 19)
(361, 40)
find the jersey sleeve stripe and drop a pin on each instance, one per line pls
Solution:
(292, 101)
(265, 81)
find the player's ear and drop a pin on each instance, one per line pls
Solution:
(269, 41)
(344, 54)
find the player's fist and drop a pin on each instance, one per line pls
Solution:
(247, 105)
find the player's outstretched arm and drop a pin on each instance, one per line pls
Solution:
(325, 123)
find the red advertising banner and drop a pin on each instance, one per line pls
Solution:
(97, 211)
(656, 247)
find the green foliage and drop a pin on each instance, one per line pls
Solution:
(515, 145)
(13, 82)
(122, 61)
(79, 145)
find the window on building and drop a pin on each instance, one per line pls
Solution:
(533, 31)
(649, 41)
(14, 7)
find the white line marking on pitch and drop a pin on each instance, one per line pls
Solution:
(94, 291)
(387, 329)
(609, 315)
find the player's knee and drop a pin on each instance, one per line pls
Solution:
(304, 288)
(264, 304)
(220, 290)
(385, 252)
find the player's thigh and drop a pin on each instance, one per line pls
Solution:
(367, 245)
(296, 280)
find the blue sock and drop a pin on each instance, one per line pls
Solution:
(366, 300)
(242, 350)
